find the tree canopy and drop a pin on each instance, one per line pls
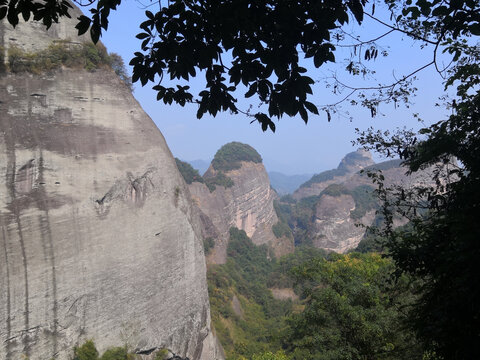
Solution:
(262, 40)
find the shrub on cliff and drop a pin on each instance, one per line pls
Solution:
(229, 156)
(87, 351)
(188, 172)
(208, 244)
(71, 55)
(220, 179)
(281, 229)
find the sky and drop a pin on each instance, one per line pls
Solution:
(295, 148)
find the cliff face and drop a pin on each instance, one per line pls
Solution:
(336, 216)
(247, 205)
(335, 229)
(350, 164)
(99, 239)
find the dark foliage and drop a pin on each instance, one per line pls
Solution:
(230, 156)
(220, 179)
(208, 244)
(281, 229)
(188, 172)
(186, 38)
(65, 54)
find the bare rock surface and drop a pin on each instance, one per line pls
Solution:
(284, 294)
(99, 239)
(335, 230)
(247, 205)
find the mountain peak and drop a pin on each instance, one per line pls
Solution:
(356, 160)
(230, 156)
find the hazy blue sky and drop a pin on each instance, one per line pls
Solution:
(295, 148)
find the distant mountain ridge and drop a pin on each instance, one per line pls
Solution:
(286, 184)
(200, 165)
(349, 165)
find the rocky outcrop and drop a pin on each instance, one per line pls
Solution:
(335, 229)
(99, 239)
(247, 205)
(350, 164)
(344, 209)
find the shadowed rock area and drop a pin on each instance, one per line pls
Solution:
(98, 235)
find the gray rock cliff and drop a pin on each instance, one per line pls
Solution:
(247, 205)
(99, 239)
(334, 227)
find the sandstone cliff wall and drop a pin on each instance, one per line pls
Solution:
(98, 236)
(247, 205)
(335, 230)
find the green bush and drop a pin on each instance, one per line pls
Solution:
(117, 64)
(63, 53)
(117, 353)
(220, 179)
(281, 229)
(188, 172)
(229, 156)
(208, 244)
(161, 354)
(87, 351)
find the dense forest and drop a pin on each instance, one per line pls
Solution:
(343, 306)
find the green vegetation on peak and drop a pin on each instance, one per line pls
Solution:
(188, 172)
(229, 156)
(63, 53)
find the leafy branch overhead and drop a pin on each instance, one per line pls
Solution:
(262, 40)
(256, 48)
